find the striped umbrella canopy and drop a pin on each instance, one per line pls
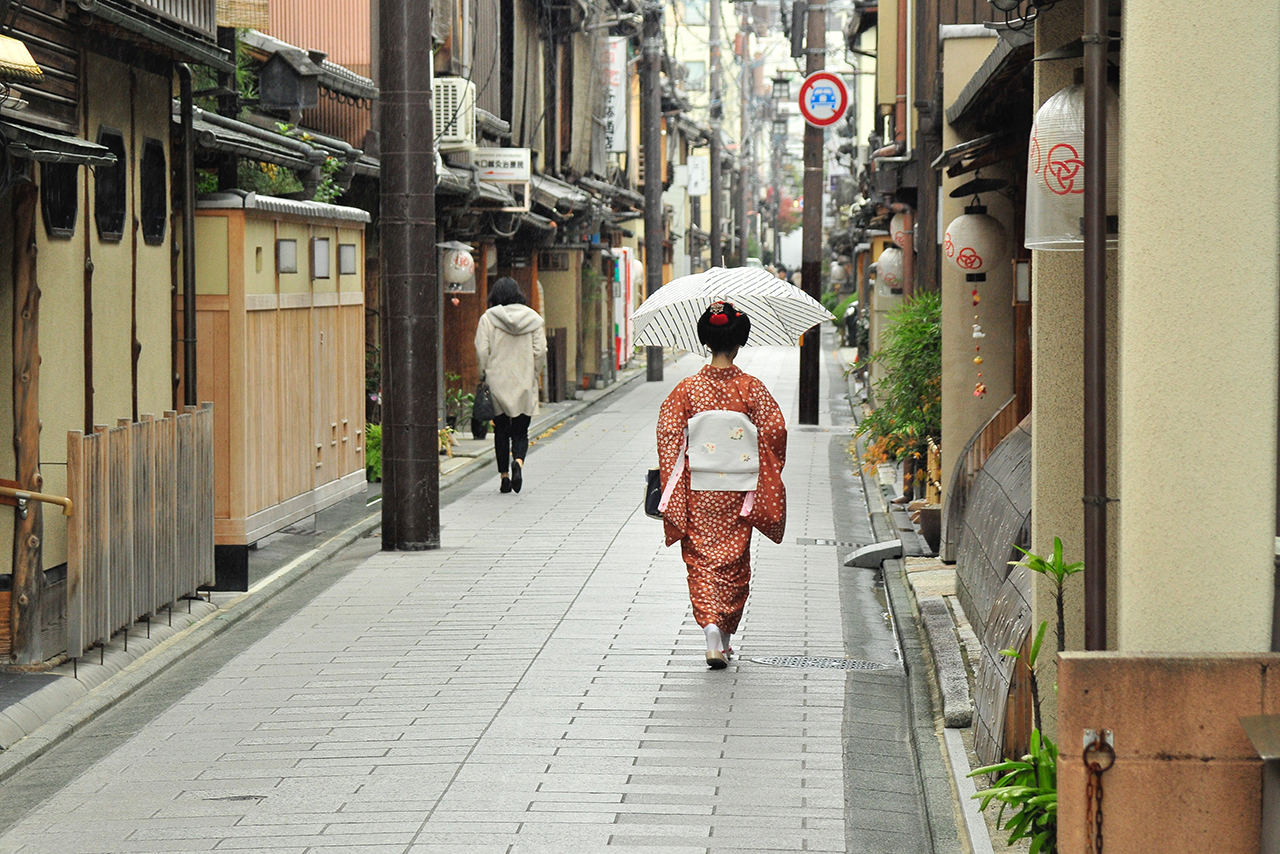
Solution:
(780, 312)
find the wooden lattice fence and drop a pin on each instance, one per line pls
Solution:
(142, 534)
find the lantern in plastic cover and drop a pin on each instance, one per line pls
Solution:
(459, 268)
(975, 241)
(1055, 172)
(898, 230)
(889, 268)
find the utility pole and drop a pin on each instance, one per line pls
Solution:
(410, 288)
(717, 114)
(811, 245)
(744, 140)
(651, 138)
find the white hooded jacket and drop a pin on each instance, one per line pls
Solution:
(511, 349)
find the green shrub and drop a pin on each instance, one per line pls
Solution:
(909, 397)
(842, 306)
(373, 452)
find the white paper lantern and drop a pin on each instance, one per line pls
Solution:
(975, 241)
(1055, 172)
(898, 230)
(889, 268)
(459, 267)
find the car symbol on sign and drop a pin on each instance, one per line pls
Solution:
(822, 96)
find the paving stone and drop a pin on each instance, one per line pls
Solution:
(536, 684)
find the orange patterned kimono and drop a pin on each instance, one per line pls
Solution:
(714, 539)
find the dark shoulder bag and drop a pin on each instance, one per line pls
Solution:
(482, 407)
(653, 493)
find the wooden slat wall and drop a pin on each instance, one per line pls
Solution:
(487, 70)
(262, 448)
(199, 15)
(296, 441)
(141, 535)
(329, 392)
(344, 119)
(352, 416)
(43, 26)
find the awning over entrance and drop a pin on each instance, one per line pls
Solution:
(28, 143)
(977, 153)
(998, 83)
(558, 196)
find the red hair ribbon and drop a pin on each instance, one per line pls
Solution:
(718, 319)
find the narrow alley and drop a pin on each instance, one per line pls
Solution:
(537, 684)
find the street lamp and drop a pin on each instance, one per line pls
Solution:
(1017, 20)
(781, 88)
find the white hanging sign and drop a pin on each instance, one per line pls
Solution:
(699, 174)
(615, 94)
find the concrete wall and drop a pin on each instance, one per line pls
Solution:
(962, 412)
(1186, 777)
(1198, 348)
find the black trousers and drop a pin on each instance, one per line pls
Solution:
(510, 439)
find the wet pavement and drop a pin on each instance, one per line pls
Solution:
(537, 684)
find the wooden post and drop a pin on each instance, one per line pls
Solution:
(28, 571)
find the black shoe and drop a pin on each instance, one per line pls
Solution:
(516, 480)
(506, 485)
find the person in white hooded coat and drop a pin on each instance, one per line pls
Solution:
(511, 350)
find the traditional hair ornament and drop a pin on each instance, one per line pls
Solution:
(719, 314)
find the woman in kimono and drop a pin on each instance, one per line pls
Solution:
(714, 526)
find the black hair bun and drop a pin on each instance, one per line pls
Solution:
(723, 327)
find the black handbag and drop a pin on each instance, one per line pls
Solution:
(482, 407)
(653, 493)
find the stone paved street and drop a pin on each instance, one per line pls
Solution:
(537, 684)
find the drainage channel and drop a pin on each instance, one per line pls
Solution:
(818, 662)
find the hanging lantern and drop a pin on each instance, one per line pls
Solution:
(898, 230)
(975, 242)
(1055, 172)
(459, 270)
(889, 268)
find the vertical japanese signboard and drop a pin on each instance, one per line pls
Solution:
(615, 93)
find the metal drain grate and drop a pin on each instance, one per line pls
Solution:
(825, 663)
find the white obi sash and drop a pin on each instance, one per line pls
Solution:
(722, 448)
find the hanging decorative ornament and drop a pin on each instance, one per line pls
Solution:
(459, 269)
(977, 360)
(1055, 172)
(980, 390)
(976, 299)
(889, 268)
(977, 331)
(975, 243)
(898, 230)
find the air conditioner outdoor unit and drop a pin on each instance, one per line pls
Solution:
(454, 112)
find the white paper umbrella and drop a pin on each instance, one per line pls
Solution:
(780, 312)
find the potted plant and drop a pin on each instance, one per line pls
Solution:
(457, 402)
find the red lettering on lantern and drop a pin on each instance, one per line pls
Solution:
(947, 246)
(1061, 170)
(1034, 153)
